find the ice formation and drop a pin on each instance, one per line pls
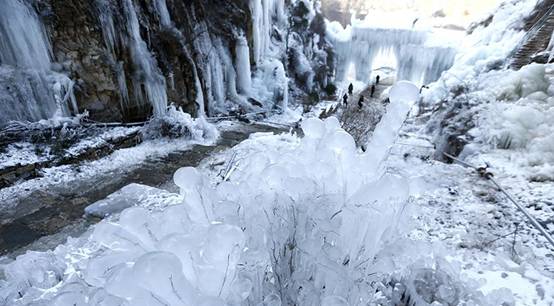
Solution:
(32, 92)
(360, 45)
(263, 12)
(24, 42)
(301, 221)
(163, 12)
(271, 84)
(402, 95)
(148, 83)
(244, 78)
(519, 116)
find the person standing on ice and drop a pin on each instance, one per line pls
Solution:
(361, 102)
(345, 100)
(350, 89)
(373, 89)
(377, 79)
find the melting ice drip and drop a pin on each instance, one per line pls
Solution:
(28, 89)
(415, 61)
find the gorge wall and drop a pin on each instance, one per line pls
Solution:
(126, 60)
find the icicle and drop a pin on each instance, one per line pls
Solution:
(108, 29)
(163, 12)
(244, 80)
(263, 12)
(230, 75)
(148, 77)
(256, 9)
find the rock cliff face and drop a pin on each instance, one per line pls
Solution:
(94, 43)
(126, 60)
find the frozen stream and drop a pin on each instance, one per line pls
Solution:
(50, 210)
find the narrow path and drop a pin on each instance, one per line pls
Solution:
(58, 207)
(360, 123)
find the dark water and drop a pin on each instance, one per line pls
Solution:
(61, 208)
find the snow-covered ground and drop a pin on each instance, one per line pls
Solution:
(486, 242)
(25, 153)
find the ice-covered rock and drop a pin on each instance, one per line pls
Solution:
(131, 195)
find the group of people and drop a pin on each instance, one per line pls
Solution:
(361, 100)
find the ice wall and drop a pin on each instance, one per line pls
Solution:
(219, 72)
(230, 79)
(30, 90)
(423, 65)
(416, 62)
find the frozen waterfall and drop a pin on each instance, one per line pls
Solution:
(30, 91)
(148, 82)
(264, 12)
(416, 62)
(24, 42)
